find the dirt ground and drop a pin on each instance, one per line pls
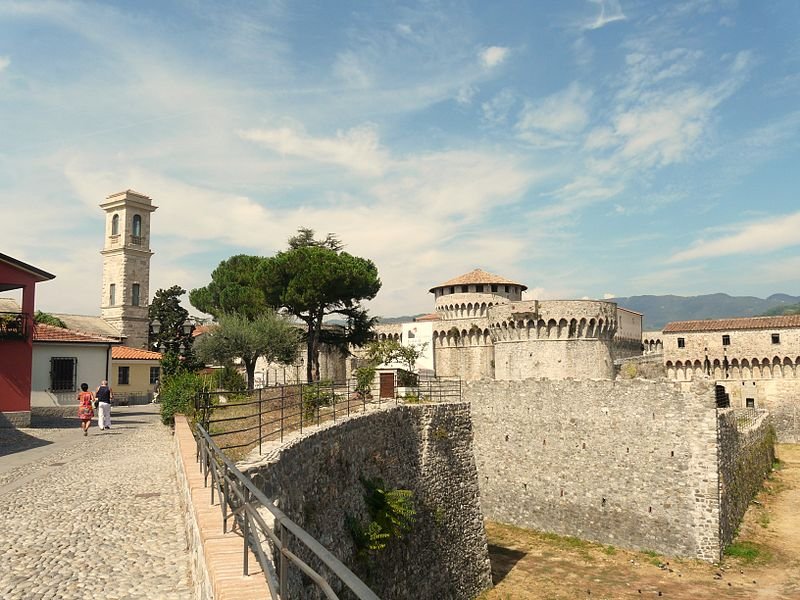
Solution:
(533, 566)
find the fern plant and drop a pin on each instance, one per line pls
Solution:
(391, 516)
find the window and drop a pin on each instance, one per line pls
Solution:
(124, 376)
(155, 373)
(112, 294)
(776, 338)
(750, 402)
(137, 226)
(464, 289)
(135, 294)
(115, 225)
(681, 342)
(507, 290)
(63, 372)
(726, 340)
(494, 288)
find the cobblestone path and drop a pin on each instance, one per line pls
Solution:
(99, 518)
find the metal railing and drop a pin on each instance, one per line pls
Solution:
(747, 417)
(240, 421)
(13, 326)
(240, 501)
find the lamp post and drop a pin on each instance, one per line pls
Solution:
(174, 343)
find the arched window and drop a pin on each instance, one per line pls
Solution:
(115, 225)
(137, 226)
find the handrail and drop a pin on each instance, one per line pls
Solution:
(231, 480)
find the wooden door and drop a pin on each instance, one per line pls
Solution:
(387, 385)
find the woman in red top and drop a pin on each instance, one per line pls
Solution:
(85, 409)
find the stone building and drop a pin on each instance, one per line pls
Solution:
(126, 265)
(756, 360)
(483, 329)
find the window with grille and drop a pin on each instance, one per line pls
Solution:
(726, 340)
(124, 375)
(63, 372)
(154, 374)
(681, 343)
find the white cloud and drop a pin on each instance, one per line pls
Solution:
(751, 238)
(493, 56)
(351, 69)
(610, 11)
(357, 149)
(497, 109)
(466, 94)
(4, 62)
(556, 119)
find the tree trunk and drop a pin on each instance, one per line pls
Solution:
(250, 367)
(310, 352)
(316, 344)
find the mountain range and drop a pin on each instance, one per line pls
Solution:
(660, 310)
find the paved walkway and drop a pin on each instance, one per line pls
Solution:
(92, 517)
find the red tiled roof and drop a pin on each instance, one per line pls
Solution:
(200, 330)
(733, 324)
(429, 317)
(50, 333)
(127, 353)
(478, 276)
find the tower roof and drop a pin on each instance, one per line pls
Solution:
(478, 276)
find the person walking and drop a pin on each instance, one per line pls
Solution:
(104, 398)
(85, 409)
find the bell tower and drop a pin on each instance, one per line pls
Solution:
(126, 265)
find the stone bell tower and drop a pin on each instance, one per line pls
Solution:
(126, 265)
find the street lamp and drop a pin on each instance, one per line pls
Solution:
(186, 327)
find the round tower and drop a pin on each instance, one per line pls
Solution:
(462, 345)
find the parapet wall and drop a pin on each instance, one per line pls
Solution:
(428, 449)
(746, 454)
(631, 462)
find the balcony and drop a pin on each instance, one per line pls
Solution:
(13, 326)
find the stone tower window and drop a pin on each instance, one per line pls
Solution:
(112, 294)
(464, 289)
(494, 288)
(726, 340)
(137, 226)
(135, 294)
(681, 342)
(776, 338)
(115, 225)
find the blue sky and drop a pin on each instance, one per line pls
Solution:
(584, 148)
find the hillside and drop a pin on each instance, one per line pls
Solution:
(659, 310)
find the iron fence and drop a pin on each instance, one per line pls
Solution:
(747, 417)
(240, 421)
(241, 502)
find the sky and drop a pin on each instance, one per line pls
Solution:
(583, 148)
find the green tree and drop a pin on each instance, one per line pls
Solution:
(391, 351)
(235, 287)
(48, 319)
(269, 335)
(171, 339)
(313, 281)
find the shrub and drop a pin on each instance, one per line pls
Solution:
(178, 392)
(316, 395)
(232, 380)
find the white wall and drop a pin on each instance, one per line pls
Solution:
(91, 367)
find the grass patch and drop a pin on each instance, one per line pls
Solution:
(747, 552)
(610, 550)
(763, 518)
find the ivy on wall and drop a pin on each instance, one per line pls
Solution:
(391, 515)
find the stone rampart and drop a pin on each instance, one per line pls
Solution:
(781, 397)
(631, 463)
(428, 449)
(746, 454)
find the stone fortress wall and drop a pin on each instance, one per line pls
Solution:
(428, 449)
(553, 339)
(632, 463)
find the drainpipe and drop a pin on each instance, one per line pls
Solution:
(108, 360)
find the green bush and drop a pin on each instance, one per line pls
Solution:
(230, 379)
(178, 392)
(316, 395)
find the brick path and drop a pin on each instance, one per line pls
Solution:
(94, 517)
